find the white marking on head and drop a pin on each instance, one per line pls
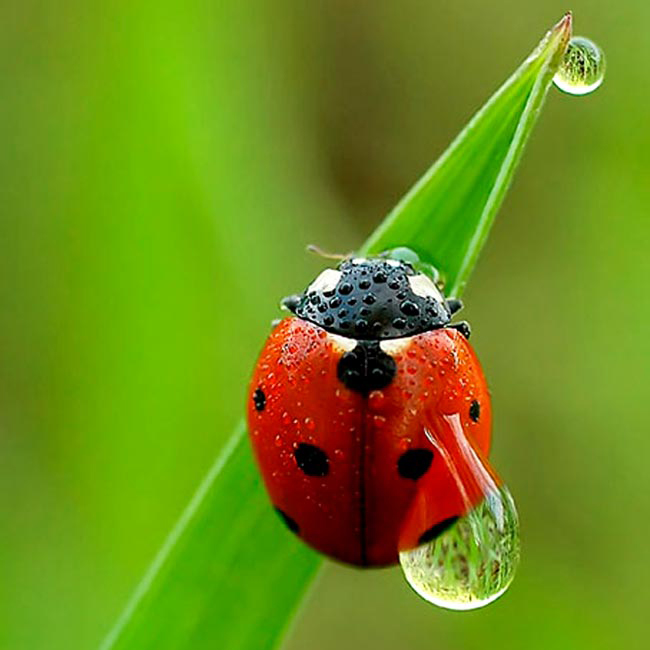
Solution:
(423, 286)
(342, 342)
(326, 281)
(395, 346)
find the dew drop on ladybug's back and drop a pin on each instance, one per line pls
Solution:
(370, 419)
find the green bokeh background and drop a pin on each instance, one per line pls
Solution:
(162, 166)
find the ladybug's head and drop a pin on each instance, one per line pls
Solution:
(373, 299)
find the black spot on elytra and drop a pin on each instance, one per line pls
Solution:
(475, 411)
(312, 460)
(366, 368)
(259, 399)
(437, 530)
(414, 463)
(290, 523)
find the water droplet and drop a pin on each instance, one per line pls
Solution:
(469, 560)
(376, 400)
(379, 421)
(471, 563)
(582, 69)
(409, 308)
(405, 443)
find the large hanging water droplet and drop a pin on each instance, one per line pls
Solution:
(473, 562)
(582, 69)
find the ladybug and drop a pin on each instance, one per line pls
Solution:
(369, 414)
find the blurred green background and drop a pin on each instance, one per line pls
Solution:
(162, 166)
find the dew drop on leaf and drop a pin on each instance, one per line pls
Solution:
(473, 562)
(582, 69)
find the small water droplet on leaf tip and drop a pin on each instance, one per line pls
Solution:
(583, 67)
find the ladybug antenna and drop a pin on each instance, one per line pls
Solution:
(317, 250)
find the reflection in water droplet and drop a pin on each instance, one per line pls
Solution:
(583, 67)
(473, 562)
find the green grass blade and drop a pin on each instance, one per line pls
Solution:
(229, 575)
(447, 215)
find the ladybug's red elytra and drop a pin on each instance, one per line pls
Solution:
(366, 411)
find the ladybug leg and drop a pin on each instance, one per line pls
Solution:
(290, 302)
(463, 327)
(454, 305)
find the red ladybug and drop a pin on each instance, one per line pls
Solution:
(369, 413)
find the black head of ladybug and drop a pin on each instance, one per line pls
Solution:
(373, 299)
